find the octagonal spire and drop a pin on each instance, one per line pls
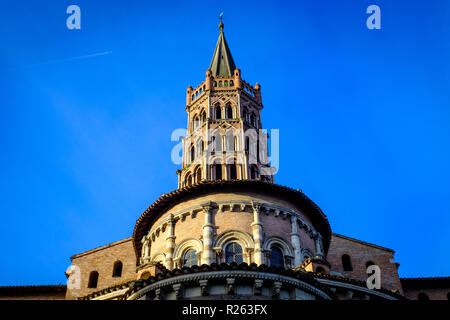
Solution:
(222, 63)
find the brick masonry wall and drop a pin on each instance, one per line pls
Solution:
(432, 293)
(276, 226)
(102, 260)
(34, 296)
(228, 220)
(233, 220)
(360, 253)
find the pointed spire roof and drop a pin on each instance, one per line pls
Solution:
(222, 63)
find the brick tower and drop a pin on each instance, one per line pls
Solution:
(224, 139)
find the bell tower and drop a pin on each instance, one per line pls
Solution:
(224, 140)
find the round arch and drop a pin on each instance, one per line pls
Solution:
(280, 243)
(244, 239)
(186, 244)
(183, 247)
(159, 257)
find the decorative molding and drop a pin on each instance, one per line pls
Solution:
(230, 274)
(264, 207)
(184, 246)
(352, 287)
(280, 243)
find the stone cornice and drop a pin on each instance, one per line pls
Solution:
(354, 287)
(352, 283)
(234, 275)
(300, 280)
(78, 255)
(265, 208)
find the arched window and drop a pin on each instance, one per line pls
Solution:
(188, 180)
(320, 270)
(247, 143)
(252, 173)
(231, 83)
(218, 171)
(215, 84)
(93, 279)
(192, 153)
(117, 269)
(276, 257)
(198, 175)
(230, 142)
(347, 263)
(203, 116)
(229, 112)
(423, 296)
(233, 253)
(253, 119)
(218, 113)
(196, 122)
(369, 263)
(233, 171)
(225, 83)
(213, 143)
(190, 258)
(257, 150)
(218, 146)
(199, 149)
(220, 84)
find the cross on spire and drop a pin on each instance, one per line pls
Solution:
(221, 21)
(222, 64)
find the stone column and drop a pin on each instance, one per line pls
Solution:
(208, 230)
(319, 249)
(219, 255)
(146, 243)
(295, 241)
(170, 243)
(257, 233)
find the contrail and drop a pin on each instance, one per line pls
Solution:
(65, 60)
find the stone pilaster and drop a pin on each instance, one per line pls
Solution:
(170, 242)
(318, 242)
(257, 233)
(219, 255)
(295, 241)
(146, 243)
(204, 287)
(208, 230)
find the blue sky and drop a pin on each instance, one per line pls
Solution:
(85, 144)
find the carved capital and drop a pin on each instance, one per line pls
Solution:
(349, 295)
(204, 287)
(158, 294)
(178, 288)
(230, 286)
(276, 288)
(256, 206)
(207, 206)
(257, 287)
